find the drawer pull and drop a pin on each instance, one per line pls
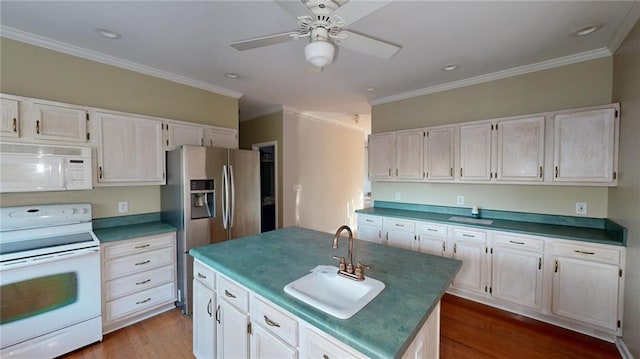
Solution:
(143, 263)
(218, 314)
(143, 282)
(142, 246)
(584, 252)
(516, 242)
(469, 235)
(270, 322)
(369, 220)
(209, 307)
(200, 275)
(229, 294)
(399, 225)
(143, 301)
(432, 230)
(325, 356)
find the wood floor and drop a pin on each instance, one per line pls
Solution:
(468, 330)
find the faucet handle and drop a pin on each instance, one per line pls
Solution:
(359, 272)
(343, 265)
(365, 266)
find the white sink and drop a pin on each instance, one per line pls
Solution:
(338, 296)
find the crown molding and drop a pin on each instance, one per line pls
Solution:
(627, 25)
(302, 114)
(40, 41)
(544, 65)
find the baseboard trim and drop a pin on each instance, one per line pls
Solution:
(622, 348)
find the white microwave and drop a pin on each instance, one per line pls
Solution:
(41, 167)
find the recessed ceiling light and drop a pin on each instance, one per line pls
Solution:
(587, 30)
(371, 89)
(231, 75)
(108, 34)
(450, 67)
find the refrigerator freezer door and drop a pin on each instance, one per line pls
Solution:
(244, 170)
(215, 163)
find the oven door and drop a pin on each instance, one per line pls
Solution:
(48, 292)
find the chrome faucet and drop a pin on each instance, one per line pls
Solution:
(346, 269)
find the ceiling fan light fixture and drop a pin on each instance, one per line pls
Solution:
(319, 53)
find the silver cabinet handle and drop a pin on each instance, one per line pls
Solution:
(468, 235)
(143, 301)
(585, 252)
(200, 275)
(229, 294)
(142, 263)
(142, 246)
(143, 282)
(209, 307)
(516, 242)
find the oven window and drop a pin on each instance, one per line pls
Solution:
(31, 297)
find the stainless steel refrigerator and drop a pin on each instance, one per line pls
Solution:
(212, 195)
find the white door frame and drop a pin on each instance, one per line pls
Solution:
(256, 147)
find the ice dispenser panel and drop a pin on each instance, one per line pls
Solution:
(202, 199)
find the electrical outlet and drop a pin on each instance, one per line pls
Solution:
(581, 208)
(398, 196)
(123, 207)
(460, 200)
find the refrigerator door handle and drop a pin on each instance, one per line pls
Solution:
(225, 197)
(233, 197)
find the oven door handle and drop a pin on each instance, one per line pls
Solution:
(45, 258)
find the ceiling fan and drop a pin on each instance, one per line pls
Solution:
(324, 22)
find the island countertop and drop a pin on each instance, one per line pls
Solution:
(414, 282)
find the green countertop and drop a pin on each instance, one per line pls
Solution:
(128, 231)
(414, 282)
(583, 229)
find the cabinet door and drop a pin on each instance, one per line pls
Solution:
(475, 152)
(370, 233)
(220, 138)
(9, 126)
(586, 291)
(520, 149)
(584, 145)
(130, 150)
(439, 153)
(233, 331)
(204, 321)
(380, 156)
(60, 123)
(408, 154)
(267, 346)
(470, 248)
(182, 134)
(431, 245)
(401, 239)
(517, 276)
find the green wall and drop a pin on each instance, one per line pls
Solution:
(587, 83)
(262, 129)
(32, 71)
(624, 200)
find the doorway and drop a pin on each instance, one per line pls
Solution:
(268, 185)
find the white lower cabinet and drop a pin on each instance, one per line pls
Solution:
(369, 228)
(400, 233)
(138, 279)
(470, 247)
(432, 238)
(233, 331)
(204, 312)
(586, 285)
(265, 345)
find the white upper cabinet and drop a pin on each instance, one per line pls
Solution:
(129, 149)
(585, 146)
(60, 122)
(9, 125)
(177, 134)
(475, 151)
(520, 154)
(439, 153)
(381, 155)
(220, 137)
(408, 154)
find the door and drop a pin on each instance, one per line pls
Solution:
(517, 276)
(60, 123)
(179, 134)
(380, 155)
(520, 149)
(439, 153)
(244, 179)
(475, 151)
(204, 321)
(9, 126)
(233, 332)
(369, 233)
(267, 346)
(215, 167)
(408, 154)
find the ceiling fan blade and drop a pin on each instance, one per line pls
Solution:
(355, 10)
(367, 45)
(265, 41)
(295, 7)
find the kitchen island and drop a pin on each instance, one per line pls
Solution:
(385, 328)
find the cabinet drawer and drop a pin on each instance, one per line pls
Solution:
(138, 302)
(320, 346)
(398, 225)
(133, 246)
(518, 242)
(204, 274)
(233, 293)
(369, 220)
(137, 263)
(140, 281)
(274, 320)
(469, 235)
(433, 230)
(596, 254)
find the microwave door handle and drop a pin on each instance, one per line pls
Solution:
(225, 196)
(233, 197)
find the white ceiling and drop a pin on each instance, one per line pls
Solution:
(188, 42)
